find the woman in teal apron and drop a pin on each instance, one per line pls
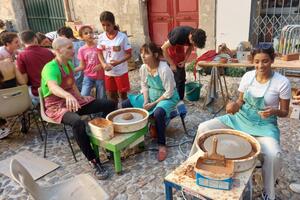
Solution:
(159, 95)
(264, 96)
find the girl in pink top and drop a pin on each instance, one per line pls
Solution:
(90, 64)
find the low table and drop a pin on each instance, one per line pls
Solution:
(181, 180)
(118, 143)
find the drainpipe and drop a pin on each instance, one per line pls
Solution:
(67, 10)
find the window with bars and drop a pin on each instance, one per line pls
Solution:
(270, 16)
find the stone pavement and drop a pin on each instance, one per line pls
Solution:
(143, 175)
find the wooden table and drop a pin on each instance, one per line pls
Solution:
(118, 143)
(295, 64)
(180, 181)
(278, 64)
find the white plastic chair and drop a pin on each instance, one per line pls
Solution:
(81, 187)
(16, 101)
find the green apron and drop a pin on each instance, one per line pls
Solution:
(249, 121)
(155, 91)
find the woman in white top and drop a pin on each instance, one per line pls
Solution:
(158, 92)
(264, 96)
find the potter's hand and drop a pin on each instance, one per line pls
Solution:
(148, 106)
(72, 103)
(267, 112)
(232, 107)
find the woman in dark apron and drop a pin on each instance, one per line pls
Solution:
(264, 96)
(64, 104)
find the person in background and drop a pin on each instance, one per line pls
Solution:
(43, 40)
(9, 77)
(31, 61)
(11, 44)
(114, 51)
(90, 64)
(264, 96)
(2, 30)
(64, 104)
(159, 95)
(68, 33)
(173, 51)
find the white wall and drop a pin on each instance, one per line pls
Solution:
(233, 22)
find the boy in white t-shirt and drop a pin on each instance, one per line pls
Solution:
(114, 51)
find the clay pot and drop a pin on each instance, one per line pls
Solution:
(223, 60)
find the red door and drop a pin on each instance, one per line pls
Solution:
(164, 15)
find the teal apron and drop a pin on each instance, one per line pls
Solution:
(155, 91)
(249, 121)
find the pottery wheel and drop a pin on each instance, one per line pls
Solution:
(119, 118)
(231, 146)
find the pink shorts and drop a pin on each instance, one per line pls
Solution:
(117, 83)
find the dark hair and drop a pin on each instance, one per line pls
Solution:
(40, 37)
(199, 37)
(153, 48)
(2, 24)
(66, 31)
(27, 36)
(80, 32)
(264, 49)
(109, 16)
(8, 37)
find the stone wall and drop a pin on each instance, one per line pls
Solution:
(207, 22)
(14, 11)
(129, 14)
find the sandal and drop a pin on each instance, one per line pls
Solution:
(162, 153)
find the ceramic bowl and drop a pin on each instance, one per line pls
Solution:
(121, 125)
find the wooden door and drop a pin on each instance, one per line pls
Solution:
(164, 15)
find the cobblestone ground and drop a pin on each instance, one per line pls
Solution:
(143, 175)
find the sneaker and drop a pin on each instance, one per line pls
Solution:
(4, 132)
(295, 187)
(100, 172)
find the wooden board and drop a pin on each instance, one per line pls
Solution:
(182, 176)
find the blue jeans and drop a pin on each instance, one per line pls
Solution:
(89, 83)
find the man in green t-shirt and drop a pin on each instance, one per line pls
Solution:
(64, 104)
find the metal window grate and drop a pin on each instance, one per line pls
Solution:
(45, 15)
(270, 16)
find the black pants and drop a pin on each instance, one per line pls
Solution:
(78, 125)
(180, 76)
(159, 116)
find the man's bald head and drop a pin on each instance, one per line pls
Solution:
(60, 42)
